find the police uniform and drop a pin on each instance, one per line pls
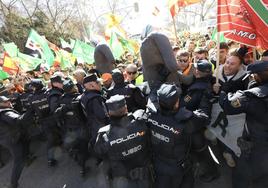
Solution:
(44, 102)
(94, 108)
(24, 98)
(133, 95)
(124, 143)
(14, 138)
(53, 132)
(252, 165)
(198, 96)
(170, 139)
(71, 119)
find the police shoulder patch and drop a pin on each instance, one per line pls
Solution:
(187, 98)
(236, 103)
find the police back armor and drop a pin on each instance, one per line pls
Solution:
(39, 103)
(125, 143)
(168, 138)
(72, 115)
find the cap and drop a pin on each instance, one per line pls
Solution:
(168, 95)
(68, 85)
(203, 66)
(56, 78)
(116, 102)
(37, 83)
(91, 78)
(4, 99)
(257, 66)
(106, 76)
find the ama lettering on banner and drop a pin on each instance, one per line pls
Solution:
(240, 21)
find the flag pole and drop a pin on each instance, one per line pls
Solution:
(218, 58)
(218, 48)
(255, 54)
(175, 29)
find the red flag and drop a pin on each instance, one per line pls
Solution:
(258, 11)
(235, 19)
(174, 5)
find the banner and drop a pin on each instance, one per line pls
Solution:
(215, 38)
(11, 48)
(65, 44)
(258, 11)
(3, 75)
(116, 46)
(9, 65)
(27, 62)
(227, 128)
(244, 21)
(39, 43)
(83, 52)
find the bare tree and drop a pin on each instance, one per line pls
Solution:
(200, 10)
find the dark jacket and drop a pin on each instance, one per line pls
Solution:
(199, 96)
(134, 97)
(170, 137)
(253, 102)
(124, 143)
(12, 125)
(95, 110)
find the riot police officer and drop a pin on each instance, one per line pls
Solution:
(73, 123)
(93, 105)
(199, 96)
(251, 166)
(133, 95)
(13, 137)
(171, 128)
(40, 104)
(53, 132)
(124, 143)
(24, 97)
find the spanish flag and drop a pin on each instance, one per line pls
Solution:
(174, 5)
(9, 65)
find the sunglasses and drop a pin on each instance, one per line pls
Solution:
(132, 73)
(183, 60)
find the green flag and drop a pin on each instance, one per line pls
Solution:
(3, 75)
(39, 43)
(72, 43)
(67, 59)
(27, 62)
(83, 52)
(64, 44)
(214, 36)
(11, 48)
(125, 43)
(116, 46)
